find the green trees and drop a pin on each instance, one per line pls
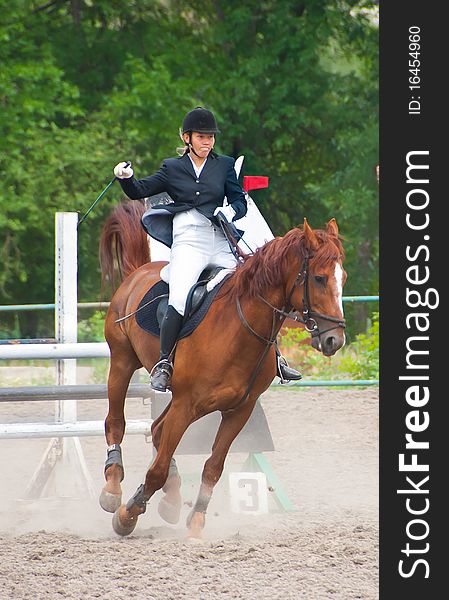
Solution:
(86, 83)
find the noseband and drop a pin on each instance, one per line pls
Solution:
(308, 316)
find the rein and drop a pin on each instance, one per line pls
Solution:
(268, 341)
(268, 344)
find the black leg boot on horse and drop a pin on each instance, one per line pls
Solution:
(162, 370)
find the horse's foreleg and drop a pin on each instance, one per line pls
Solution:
(175, 424)
(230, 426)
(169, 507)
(120, 373)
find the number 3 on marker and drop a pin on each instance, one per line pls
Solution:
(248, 493)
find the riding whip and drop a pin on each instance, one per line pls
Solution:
(128, 164)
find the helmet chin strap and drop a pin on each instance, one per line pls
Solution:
(192, 149)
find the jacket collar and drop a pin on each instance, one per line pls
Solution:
(211, 163)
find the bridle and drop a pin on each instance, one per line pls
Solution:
(278, 317)
(307, 316)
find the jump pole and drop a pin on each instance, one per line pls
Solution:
(64, 454)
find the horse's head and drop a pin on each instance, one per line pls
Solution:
(301, 271)
(316, 290)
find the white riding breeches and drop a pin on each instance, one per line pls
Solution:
(195, 247)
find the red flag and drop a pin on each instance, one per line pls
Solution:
(254, 182)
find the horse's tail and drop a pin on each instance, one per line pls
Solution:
(123, 243)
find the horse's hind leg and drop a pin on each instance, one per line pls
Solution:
(120, 373)
(230, 426)
(169, 507)
(176, 422)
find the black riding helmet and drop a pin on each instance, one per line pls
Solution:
(200, 120)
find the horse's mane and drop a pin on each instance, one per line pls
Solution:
(267, 266)
(123, 242)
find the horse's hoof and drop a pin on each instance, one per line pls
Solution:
(110, 502)
(123, 525)
(169, 512)
(195, 524)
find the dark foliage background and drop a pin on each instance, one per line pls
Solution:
(84, 84)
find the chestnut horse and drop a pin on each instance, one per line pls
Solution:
(224, 365)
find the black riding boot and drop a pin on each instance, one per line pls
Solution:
(162, 371)
(284, 372)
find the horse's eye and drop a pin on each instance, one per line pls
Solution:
(321, 279)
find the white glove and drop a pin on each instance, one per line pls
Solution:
(227, 211)
(121, 171)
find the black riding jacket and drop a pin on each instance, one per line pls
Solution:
(205, 193)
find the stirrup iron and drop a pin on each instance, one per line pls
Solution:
(284, 372)
(160, 375)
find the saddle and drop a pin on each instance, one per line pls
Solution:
(153, 305)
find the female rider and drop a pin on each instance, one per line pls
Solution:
(197, 182)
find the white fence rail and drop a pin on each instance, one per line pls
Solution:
(59, 430)
(54, 351)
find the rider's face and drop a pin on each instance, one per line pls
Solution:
(202, 143)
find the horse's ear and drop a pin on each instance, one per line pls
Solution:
(332, 227)
(310, 236)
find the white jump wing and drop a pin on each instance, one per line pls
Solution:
(257, 231)
(238, 165)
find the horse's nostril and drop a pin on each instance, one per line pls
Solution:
(330, 343)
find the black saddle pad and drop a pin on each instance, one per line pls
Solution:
(146, 316)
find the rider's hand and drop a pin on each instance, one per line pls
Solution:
(227, 211)
(122, 171)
